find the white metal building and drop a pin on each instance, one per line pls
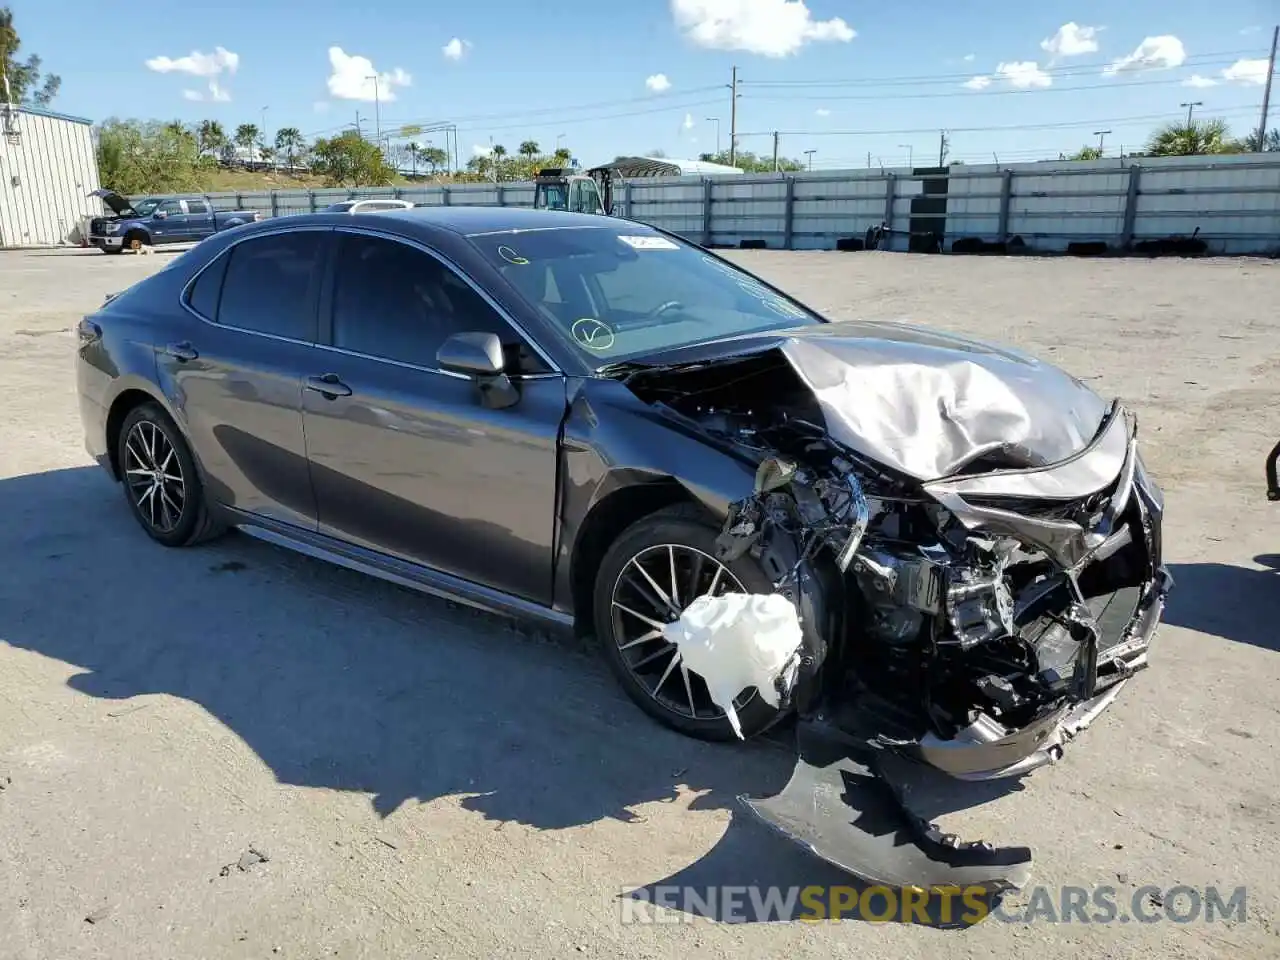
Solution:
(48, 165)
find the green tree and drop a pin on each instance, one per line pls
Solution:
(1086, 153)
(210, 137)
(1255, 142)
(436, 157)
(290, 142)
(349, 160)
(563, 155)
(1192, 139)
(499, 153)
(749, 162)
(246, 136)
(529, 149)
(27, 84)
(147, 157)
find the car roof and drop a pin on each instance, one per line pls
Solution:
(474, 221)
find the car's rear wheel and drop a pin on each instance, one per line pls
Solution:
(160, 479)
(652, 572)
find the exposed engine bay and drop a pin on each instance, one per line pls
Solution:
(972, 622)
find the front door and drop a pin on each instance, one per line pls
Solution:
(404, 457)
(235, 373)
(169, 222)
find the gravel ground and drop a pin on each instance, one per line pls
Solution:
(237, 752)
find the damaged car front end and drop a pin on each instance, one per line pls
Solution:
(982, 526)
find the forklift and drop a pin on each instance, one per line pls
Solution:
(558, 188)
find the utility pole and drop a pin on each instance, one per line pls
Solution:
(1102, 136)
(1191, 106)
(911, 154)
(943, 144)
(775, 151)
(733, 119)
(377, 112)
(868, 159)
(1266, 94)
(716, 121)
(809, 154)
(359, 129)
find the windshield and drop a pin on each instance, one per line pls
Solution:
(146, 207)
(623, 291)
(555, 196)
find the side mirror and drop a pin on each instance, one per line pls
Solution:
(479, 356)
(474, 354)
(160, 215)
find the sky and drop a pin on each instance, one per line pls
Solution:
(855, 82)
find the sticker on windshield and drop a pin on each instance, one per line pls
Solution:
(592, 334)
(509, 255)
(649, 243)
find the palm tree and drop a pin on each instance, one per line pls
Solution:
(414, 150)
(210, 137)
(435, 156)
(499, 152)
(290, 142)
(563, 155)
(1087, 153)
(246, 136)
(1257, 143)
(1192, 139)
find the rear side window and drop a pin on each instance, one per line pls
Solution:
(198, 207)
(205, 292)
(270, 284)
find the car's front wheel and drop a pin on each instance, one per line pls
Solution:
(652, 572)
(160, 479)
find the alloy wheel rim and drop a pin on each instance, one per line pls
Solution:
(655, 586)
(154, 475)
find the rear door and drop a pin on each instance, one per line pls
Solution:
(199, 219)
(405, 459)
(236, 373)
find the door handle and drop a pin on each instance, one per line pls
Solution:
(329, 386)
(182, 352)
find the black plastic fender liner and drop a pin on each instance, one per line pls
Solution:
(839, 807)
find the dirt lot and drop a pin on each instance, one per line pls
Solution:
(425, 781)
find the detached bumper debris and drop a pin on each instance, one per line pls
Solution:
(740, 640)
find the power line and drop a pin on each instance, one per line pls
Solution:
(1145, 118)
(972, 95)
(1201, 60)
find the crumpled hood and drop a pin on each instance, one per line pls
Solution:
(925, 403)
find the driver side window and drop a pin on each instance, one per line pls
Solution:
(395, 302)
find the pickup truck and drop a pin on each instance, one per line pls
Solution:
(159, 220)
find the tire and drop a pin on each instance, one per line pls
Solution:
(173, 520)
(134, 240)
(687, 529)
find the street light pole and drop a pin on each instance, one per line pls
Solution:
(264, 130)
(1101, 135)
(716, 121)
(1191, 106)
(809, 154)
(911, 155)
(377, 110)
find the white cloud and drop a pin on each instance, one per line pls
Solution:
(1071, 40)
(658, 83)
(968, 58)
(1024, 74)
(1247, 71)
(1195, 80)
(456, 48)
(352, 78)
(823, 112)
(771, 28)
(198, 64)
(481, 151)
(215, 94)
(688, 121)
(1153, 53)
(978, 83)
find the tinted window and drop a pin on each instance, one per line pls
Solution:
(171, 207)
(203, 298)
(198, 207)
(269, 283)
(392, 300)
(625, 290)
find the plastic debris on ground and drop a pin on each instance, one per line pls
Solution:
(736, 641)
